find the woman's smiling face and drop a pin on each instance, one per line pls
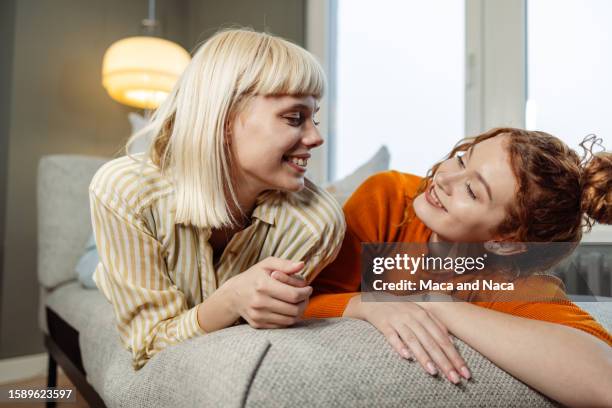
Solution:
(469, 194)
(271, 140)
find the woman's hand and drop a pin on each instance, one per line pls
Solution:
(413, 332)
(265, 302)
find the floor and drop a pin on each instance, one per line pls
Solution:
(36, 382)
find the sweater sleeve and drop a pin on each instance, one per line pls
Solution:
(543, 297)
(562, 312)
(370, 212)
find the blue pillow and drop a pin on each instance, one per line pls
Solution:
(86, 266)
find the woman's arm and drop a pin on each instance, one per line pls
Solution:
(566, 364)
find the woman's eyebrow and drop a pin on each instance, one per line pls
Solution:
(479, 176)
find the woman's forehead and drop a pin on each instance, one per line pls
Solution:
(491, 159)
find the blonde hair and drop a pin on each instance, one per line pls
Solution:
(189, 127)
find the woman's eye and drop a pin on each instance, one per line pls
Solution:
(470, 191)
(295, 120)
(467, 185)
(316, 123)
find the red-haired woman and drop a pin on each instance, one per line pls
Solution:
(503, 188)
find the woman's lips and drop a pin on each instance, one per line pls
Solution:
(431, 197)
(296, 167)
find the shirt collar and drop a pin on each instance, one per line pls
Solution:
(266, 207)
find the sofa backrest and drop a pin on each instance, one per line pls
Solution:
(63, 214)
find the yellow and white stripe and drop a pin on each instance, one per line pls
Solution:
(155, 272)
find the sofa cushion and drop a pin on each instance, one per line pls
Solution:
(348, 363)
(341, 362)
(64, 222)
(214, 370)
(76, 305)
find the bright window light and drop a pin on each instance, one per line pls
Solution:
(400, 82)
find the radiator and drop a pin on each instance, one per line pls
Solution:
(588, 271)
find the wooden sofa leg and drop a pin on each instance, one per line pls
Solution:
(51, 378)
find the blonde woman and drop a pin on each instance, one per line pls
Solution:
(192, 233)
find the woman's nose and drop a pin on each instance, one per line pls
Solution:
(443, 180)
(312, 138)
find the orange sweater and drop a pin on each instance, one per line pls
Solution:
(373, 214)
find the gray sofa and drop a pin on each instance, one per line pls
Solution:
(334, 362)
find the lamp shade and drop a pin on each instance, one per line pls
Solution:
(141, 71)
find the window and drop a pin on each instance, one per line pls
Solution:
(569, 68)
(399, 81)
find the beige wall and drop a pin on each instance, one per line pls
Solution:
(7, 19)
(55, 104)
(280, 17)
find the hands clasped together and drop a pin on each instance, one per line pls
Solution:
(268, 295)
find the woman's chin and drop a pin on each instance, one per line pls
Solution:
(291, 185)
(296, 186)
(426, 213)
(420, 206)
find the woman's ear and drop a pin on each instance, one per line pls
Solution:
(505, 248)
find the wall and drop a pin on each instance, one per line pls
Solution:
(56, 104)
(7, 22)
(280, 17)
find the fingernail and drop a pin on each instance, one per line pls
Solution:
(454, 377)
(431, 369)
(451, 339)
(465, 372)
(405, 354)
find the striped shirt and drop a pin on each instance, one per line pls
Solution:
(155, 272)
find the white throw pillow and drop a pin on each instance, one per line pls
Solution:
(342, 189)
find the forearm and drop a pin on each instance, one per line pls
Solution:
(563, 363)
(353, 308)
(217, 311)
